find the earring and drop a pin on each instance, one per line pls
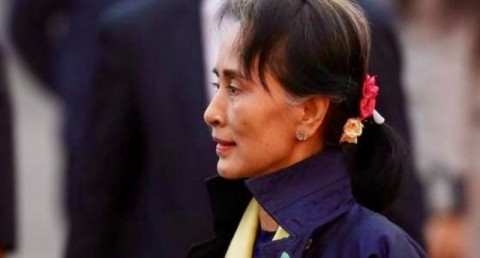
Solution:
(301, 135)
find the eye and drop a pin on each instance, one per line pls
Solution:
(216, 85)
(232, 90)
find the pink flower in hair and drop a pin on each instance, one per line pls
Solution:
(369, 99)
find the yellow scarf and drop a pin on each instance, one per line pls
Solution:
(243, 241)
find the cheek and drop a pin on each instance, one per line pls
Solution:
(251, 126)
(241, 120)
(261, 137)
(263, 134)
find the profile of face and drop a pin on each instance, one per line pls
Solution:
(255, 129)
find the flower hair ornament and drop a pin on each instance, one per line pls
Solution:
(353, 128)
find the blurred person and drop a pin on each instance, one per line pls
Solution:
(7, 182)
(57, 44)
(439, 37)
(55, 39)
(451, 30)
(138, 188)
(294, 115)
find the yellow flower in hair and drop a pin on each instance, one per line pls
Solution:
(352, 129)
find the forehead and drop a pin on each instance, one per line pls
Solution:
(228, 63)
(228, 55)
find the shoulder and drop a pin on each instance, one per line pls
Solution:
(363, 233)
(376, 235)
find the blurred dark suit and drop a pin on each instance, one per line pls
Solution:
(7, 182)
(56, 40)
(386, 62)
(139, 189)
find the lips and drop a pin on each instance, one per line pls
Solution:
(223, 146)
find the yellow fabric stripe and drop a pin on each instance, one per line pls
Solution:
(243, 240)
(280, 234)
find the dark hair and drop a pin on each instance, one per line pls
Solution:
(321, 47)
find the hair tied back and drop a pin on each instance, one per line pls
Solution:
(353, 128)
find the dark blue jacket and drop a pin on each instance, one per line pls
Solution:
(311, 200)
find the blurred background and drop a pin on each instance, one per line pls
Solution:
(440, 46)
(37, 159)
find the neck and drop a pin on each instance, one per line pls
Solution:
(267, 223)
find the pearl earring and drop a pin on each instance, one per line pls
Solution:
(301, 135)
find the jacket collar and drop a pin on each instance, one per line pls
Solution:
(301, 198)
(306, 195)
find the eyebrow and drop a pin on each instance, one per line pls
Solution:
(229, 73)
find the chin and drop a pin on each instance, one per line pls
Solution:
(227, 173)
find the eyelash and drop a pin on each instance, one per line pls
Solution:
(216, 85)
(230, 89)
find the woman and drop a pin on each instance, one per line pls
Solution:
(294, 116)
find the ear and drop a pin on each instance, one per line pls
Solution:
(314, 111)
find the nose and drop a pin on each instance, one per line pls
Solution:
(214, 114)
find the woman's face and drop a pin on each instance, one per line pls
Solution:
(255, 130)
